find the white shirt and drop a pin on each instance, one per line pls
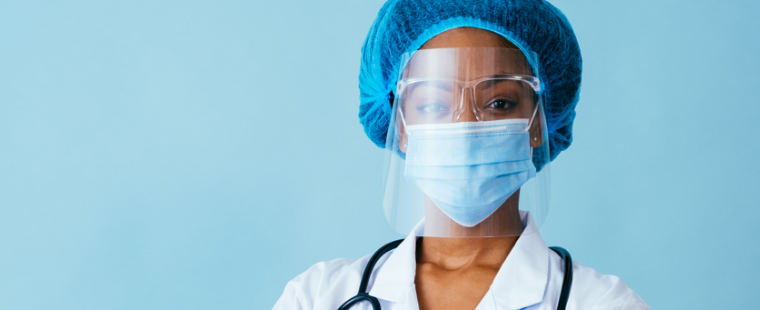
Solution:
(530, 278)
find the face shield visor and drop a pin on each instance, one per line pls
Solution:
(467, 147)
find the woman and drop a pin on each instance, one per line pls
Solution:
(472, 100)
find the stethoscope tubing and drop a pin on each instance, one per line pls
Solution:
(363, 295)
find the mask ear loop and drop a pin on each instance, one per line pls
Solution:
(530, 123)
(403, 121)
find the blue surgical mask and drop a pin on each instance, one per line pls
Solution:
(469, 169)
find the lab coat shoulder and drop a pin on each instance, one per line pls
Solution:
(324, 280)
(597, 291)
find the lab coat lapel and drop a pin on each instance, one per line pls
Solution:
(394, 280)
(523, 277)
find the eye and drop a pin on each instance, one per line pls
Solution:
(433, 107)
(501, 104)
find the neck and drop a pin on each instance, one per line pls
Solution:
(459, 253)
(454, 246)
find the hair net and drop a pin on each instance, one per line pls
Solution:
(532, 25)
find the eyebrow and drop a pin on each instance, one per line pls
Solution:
(434, 83)
(489, 83)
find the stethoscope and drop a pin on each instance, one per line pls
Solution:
(364, 295)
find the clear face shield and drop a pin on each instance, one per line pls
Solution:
(467, 146)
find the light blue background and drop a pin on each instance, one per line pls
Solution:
(198, 155)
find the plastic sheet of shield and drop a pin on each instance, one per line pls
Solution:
(467, 151)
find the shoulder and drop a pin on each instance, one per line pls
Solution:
(593, 290)
(610, 291)
(328, 273)
(327, 282)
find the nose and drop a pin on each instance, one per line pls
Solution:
(466, 110)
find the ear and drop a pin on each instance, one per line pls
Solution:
(537, 131)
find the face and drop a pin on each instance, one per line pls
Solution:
(469, 89)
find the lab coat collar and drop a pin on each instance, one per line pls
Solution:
(520, 282)
(395, 278)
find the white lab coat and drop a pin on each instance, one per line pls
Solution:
(530, 278)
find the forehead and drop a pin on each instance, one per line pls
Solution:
(466, 63)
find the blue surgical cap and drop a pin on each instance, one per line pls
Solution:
(532, 25)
